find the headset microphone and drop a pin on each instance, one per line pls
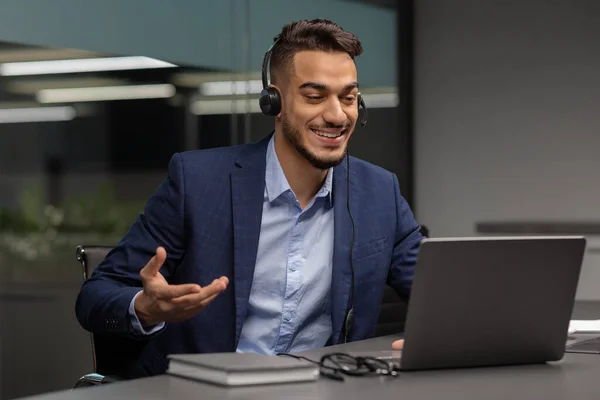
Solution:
(361, 103)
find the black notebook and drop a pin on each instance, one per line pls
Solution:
(240, 369)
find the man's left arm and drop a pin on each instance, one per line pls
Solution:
(406, 246)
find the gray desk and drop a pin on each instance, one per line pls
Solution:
(577, 377)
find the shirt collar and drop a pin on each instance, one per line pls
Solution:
(276, 182)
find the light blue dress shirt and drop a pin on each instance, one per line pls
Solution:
(289, 308)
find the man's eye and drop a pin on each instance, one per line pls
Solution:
(314, 97)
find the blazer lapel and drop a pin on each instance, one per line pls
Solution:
(341, 280)
(247, 191)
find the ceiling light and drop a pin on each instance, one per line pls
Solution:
(208, 106)
(105, 93)
(23, 54)
(81, 65)
(30, 86)
(37, 114)
(226, 88)
(215, 107)
(381, 100)
(194, 79)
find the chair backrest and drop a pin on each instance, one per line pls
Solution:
(112, 355)
(392, 314)
(90, 257)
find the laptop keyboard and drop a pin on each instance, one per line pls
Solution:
(591, 346)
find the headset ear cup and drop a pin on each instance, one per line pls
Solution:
(275, 101)
(264, 102)
(270, 101)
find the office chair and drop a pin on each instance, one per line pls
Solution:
(392, 312)
(111, 354)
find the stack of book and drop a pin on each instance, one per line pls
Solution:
(241, 369)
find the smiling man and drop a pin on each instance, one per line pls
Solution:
(278, 246)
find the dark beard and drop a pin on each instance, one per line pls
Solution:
(292, 135)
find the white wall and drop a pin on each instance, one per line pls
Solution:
(507, 115)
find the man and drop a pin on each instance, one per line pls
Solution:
(248, 248)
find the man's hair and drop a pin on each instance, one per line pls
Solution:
(316, 34)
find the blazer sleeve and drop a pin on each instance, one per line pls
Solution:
(406, 246)
(103, 302)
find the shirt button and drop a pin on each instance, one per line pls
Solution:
(287, 318)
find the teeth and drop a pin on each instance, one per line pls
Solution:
(327, 134)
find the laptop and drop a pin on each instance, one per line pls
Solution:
(490, 301)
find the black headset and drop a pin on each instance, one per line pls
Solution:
(270, 98)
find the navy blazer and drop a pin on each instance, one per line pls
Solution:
(207, 215)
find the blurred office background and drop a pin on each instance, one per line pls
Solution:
(485, 109)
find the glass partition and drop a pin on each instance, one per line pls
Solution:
(86, 137)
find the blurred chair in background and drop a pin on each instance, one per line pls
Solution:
(110, 354)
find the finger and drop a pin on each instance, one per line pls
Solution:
(398, 344)
(169, 292)
(216, 287)
(207, 301)
(155, 263)
(193, 300)
(191, 304)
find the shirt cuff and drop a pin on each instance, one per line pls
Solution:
(136, 324)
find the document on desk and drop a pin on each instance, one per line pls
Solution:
(584, 326)
(241, 369)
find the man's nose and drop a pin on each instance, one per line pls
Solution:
(335, 114)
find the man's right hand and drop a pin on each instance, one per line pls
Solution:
(161, 302)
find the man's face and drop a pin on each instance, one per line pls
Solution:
(320, 106)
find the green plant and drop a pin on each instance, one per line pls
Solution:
(99, 212)
(36, 230)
